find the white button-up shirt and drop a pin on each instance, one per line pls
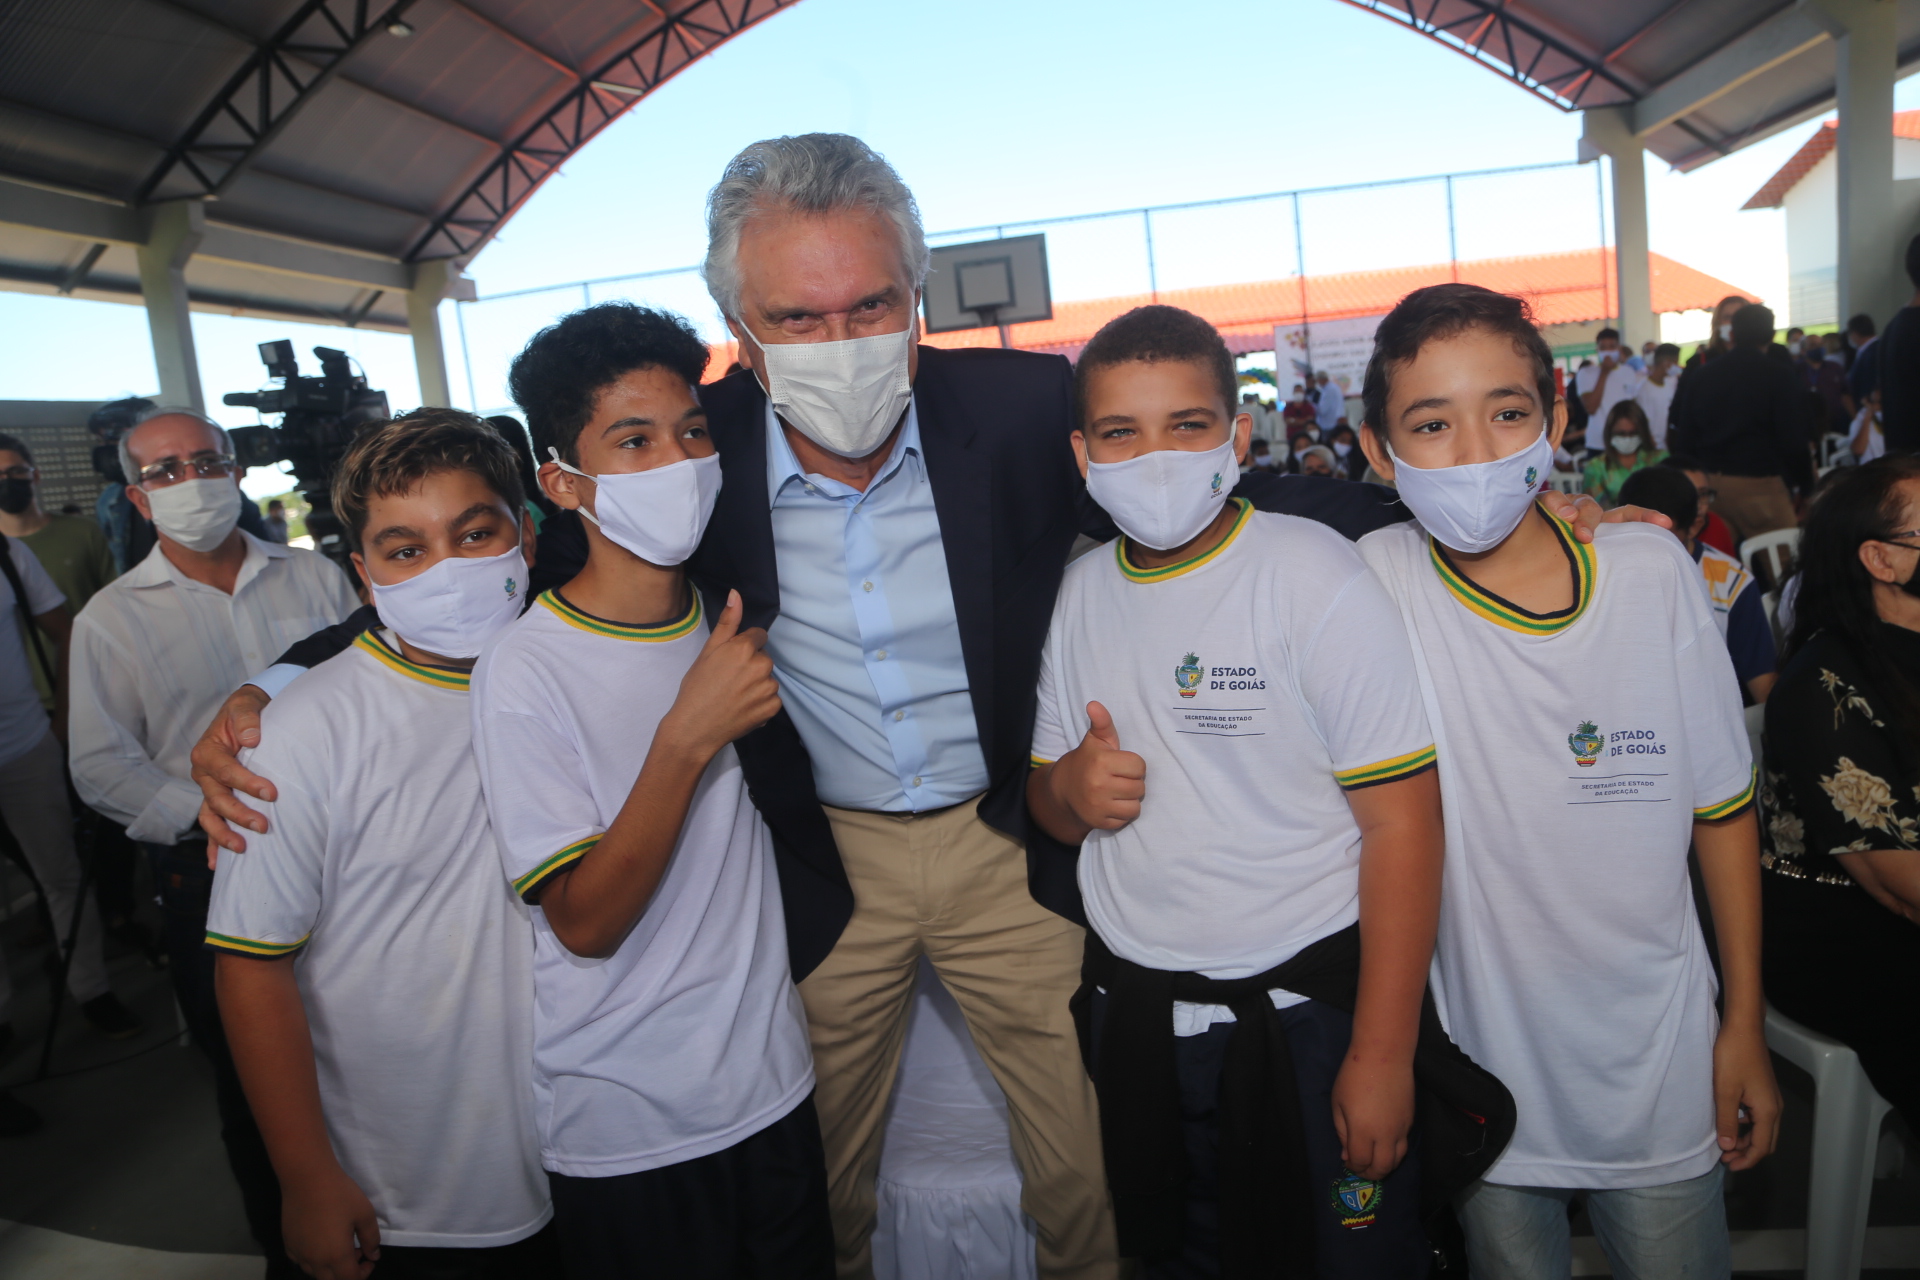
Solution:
(155, 654)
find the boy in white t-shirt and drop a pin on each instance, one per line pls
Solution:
(1258, 949)
(1654, 395)
(672, 1075)
(1603, 384)
(1589, 726)
(374, 973)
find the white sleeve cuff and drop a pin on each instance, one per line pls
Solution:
(275, 679)
(169, 816)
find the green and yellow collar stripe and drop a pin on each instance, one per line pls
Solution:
(1372, 775)
(253, 946)
(439, 677)
(619, 631)
(1727, 808)
(1036, 762)
(529, 883)
(1135, 574)
(1504, 613)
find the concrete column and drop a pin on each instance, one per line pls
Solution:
(433, 283)
(174, 232)
(1871, 275)
(1608, 131)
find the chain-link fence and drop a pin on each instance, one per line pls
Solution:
(1331, 231)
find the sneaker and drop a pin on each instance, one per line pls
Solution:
(111, 1018)
(17, 1119)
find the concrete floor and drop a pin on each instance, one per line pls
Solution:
(128, 1178)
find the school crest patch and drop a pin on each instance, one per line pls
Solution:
(1585, 743)
(1186, 676)
(1356, 1200)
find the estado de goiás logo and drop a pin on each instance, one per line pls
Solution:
(1186, 676)
(1586, 744)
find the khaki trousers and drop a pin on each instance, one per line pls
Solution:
(946, 885)
(1752, 505)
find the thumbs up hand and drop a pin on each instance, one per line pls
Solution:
(729, 690)
(1097, 782)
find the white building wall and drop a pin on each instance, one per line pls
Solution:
(1813, 233)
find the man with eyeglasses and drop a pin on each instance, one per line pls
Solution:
(154, 655)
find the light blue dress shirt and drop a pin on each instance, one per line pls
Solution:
(866, 647)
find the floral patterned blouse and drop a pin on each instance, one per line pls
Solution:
(1838, 777)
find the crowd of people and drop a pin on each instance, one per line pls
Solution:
(547, 896)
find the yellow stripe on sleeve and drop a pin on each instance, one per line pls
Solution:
(253, 946)
(1372, 775)
(1036, 761)
(559, 862)
(1727, 808)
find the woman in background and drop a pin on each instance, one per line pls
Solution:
(1629, 441)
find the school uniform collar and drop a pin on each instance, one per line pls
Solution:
(1504, 613)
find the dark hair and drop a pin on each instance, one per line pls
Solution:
(1862, 325)
(16, 445)
(393, 457)
(1667, 351)
(1154, 334)
(1680, 462)
(1752, 325)
(1607, 333)
(1442, 311)
(1664, 490)
(1913, 261)
(557, 379)
(1861, 504)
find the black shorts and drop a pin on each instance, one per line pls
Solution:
(535, 1258)
(755, 1211)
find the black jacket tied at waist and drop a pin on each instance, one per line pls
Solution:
(1464, 1115)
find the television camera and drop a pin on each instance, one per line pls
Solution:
(319, 419)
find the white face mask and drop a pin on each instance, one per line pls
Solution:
(1341, 448)
(1726, 333)
(1624, 444)
(456, 606)
(658, 515)
(1473, 507)
(844, 396)
(197, 514)
(1165, 498)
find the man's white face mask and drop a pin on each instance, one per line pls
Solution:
(845, 396)
(197, 514)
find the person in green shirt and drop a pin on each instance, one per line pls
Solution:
(1629, 447)
(72, 549)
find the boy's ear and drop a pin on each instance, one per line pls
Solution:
(529, 540)
(1557, 422)
(360, 567)
(1080, 450)
(1242, 437)
(558, 485)
(1373, 444)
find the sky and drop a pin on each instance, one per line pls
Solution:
(1005, 110)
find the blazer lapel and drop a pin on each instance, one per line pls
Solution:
(963, 500)
(737, 550)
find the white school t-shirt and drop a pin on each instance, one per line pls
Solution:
(1256, 681)
(1576, 752)
(690, 1037)
(415, 962)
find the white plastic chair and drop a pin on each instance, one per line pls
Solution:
(1847, 1114)
(1832, 446)
(1778, 549)
(1568, 482)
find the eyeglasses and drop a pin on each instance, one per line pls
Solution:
(1708, 495)
(1896, 537)
(174, 470)
(17, 473)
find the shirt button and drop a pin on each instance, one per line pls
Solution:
(916, 782)
(880, 656)
(899, 715)
(866, 586)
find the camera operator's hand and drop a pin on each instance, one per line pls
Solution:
(218, 772)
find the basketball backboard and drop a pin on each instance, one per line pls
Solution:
(987, 283)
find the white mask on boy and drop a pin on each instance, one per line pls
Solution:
(658, 515)
(453, 608)
(1165, 498)
(1473, 507)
